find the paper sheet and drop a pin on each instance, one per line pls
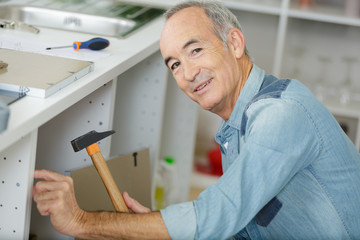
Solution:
(29, 45)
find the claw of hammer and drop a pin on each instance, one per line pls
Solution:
(90, 142)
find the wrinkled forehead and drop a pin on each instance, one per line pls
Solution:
(188, 23)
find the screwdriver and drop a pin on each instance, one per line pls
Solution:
(92, 44)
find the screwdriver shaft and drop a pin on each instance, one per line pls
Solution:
(49, 48)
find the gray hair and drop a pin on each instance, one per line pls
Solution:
(223, 19)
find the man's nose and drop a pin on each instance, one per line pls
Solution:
(191, 70)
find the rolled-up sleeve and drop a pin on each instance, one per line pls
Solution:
(180, 220)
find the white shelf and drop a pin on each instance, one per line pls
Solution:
(351, 109)
(317, 12)
(272, 7)
(323, 13)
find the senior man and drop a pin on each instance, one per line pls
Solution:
(290, 172)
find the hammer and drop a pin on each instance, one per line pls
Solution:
(90, 142)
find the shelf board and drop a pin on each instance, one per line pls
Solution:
(323, 13)
(351, 109)
(258, 6)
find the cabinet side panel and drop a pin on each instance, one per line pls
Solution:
(16, 180)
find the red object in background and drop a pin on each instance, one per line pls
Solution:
(214, 158)
(214, 164)
(305, 3)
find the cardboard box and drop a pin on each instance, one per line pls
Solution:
(131, 173)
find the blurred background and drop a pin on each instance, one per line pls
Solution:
(313, 41)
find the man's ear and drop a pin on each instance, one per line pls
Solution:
(236, 41)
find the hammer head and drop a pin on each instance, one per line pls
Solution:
(88, 139)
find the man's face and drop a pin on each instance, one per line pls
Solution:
(202, 67)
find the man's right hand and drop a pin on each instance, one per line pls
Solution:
(55, 197)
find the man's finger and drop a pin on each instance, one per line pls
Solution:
(45, 186)
(49, 175)
(48, 195)
(134, 205)
(46, 207)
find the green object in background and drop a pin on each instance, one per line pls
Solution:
(170, 160)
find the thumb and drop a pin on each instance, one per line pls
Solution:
(134, 205)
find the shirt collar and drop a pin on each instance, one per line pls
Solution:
(250, 89)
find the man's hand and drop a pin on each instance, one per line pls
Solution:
(55, 197)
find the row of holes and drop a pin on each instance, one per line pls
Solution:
(16, 208)
(17, 184)
(1, 205)
(3, 181)
(14, 231)
(6, 159)
(102, 104)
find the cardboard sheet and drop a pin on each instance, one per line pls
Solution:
(131, 174)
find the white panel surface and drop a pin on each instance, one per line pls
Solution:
(16, 178)
(139, 108)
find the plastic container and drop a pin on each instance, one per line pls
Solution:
(166, 189)
(159, 192)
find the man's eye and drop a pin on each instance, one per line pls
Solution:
(196, 50)
(174, 66)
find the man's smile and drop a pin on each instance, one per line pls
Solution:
(202, 85)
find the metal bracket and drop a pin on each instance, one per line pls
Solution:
(3, 67)
(18, 26)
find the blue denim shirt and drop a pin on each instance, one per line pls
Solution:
(290, 172)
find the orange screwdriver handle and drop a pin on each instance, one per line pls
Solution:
(93, 44)
(76, 45)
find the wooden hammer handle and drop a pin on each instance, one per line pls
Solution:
(108, 180)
